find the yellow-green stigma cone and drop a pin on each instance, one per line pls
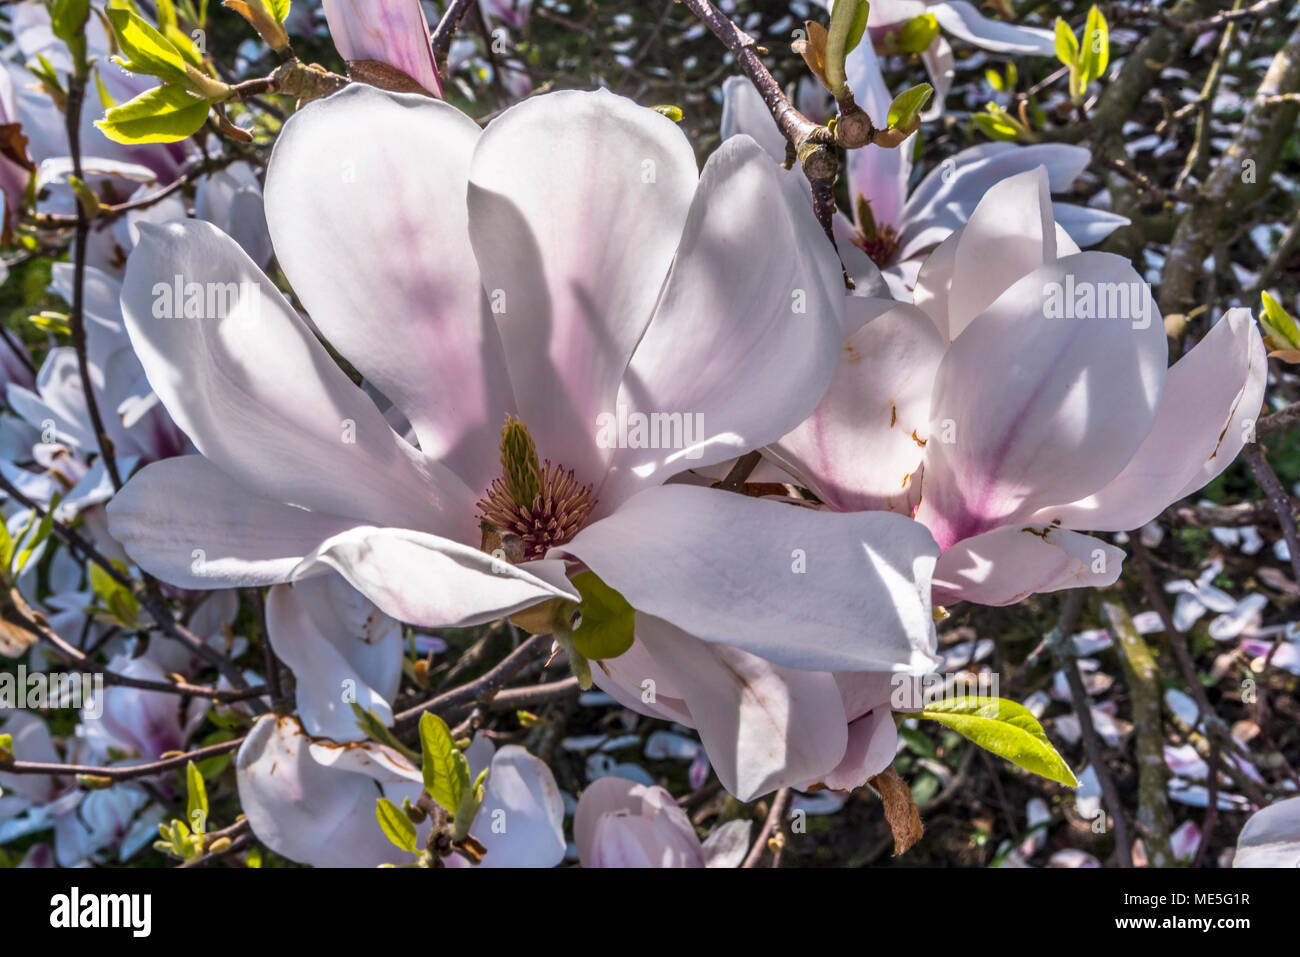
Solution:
(543, 504)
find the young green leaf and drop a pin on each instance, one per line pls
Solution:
(196, 803)
(117, 598)
(164, 114)
(1094, 53)
(39, 536)
(1067, 45)
(67, 17)
(858, 28)
(6, 748)
(376, 730)
(1007, 729)
(1278, 325)
(6, 546)
(442, 776)
(606, 628)
(146, 50)
(905, 111)
(397, 827)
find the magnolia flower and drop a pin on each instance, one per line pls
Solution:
(604, 281)
(393, 32)
(312, 800)
(1024, 396)
(620, 823)
(961, 20)
(892, 230)
(1271, 837)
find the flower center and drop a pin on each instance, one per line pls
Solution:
(542, 504)
(881, 248)
(878, 240)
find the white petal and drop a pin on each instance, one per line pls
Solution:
(801, 588)
(426, 580)
(260, 396)
(375, 243)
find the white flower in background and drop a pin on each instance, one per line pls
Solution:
(313, 800)
(620, 823)
(892, 228)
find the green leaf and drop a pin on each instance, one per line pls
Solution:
(167, 14)
(376, 730)
(395, 824)
(1095, 49)
(994, 79)
(6, 546)
(858, 28)
(917, 34)
(1278, 324)
(606, 629)
(1067, 46)
(279, 9)
(6, 748)
(905, 111)
(996, 124)
(147, 51)
(442, 778)
(114, 596)
(844, 24)
(196, 804)
(68, 17)
(105, 98)
(1005, 728)
(39, 536)
(164, 114)
(673, 113)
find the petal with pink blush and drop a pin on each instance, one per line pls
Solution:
(621, 823)
(860, 447)
(872, 744)
(737, 364)
(1211, 396)
(764, 726)
(394, 32)
(374, 241)
(1010, 233)
(1030, 411)
(1008, 564)
(576, 206)
(262, 398)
